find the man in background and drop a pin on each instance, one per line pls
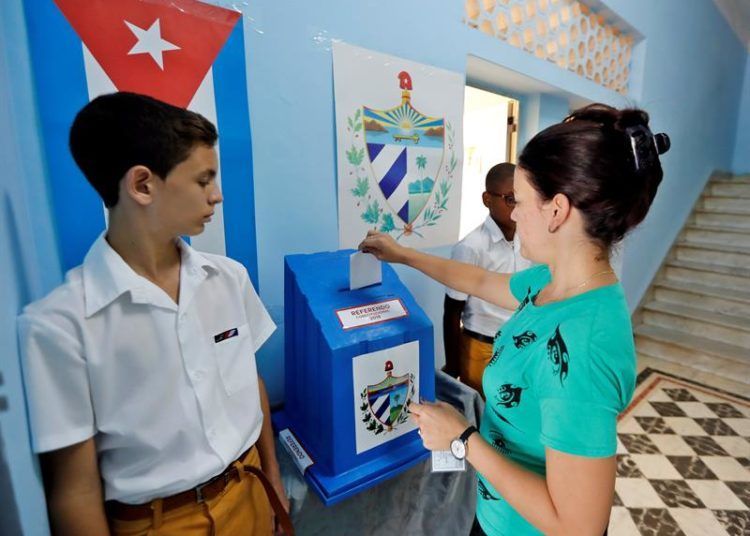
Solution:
(470, 324)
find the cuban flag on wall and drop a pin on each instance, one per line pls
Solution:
(187, 53)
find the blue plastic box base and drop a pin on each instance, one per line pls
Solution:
(334, 489)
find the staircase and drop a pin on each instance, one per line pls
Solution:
(697, 312)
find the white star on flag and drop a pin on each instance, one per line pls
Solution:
(150, 42)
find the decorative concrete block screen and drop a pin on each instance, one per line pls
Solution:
(565, 32)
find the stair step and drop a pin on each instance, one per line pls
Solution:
(717, 326)
(695, 342)
(735, 322)
(722, 359)
(732, 220)
(706, 297)
(711, 252)
(711, 203)
(738, 274)
(719, 235)
(729, 188)
(720, 178)
(708, 290)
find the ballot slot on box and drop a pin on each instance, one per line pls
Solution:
(354, 361)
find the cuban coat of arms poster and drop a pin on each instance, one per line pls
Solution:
(399, 148)
(385, 383)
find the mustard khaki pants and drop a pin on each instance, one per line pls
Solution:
(474, 356)
(242, 508)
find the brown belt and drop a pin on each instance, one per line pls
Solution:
(202, 493)
(478, 336)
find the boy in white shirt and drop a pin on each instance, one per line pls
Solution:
(470, 324)
(140, 370)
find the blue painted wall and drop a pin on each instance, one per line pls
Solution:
(742, 145)
(28, 261)
(688, 72)
(691, 84)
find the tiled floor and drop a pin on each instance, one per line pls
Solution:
(683, 456)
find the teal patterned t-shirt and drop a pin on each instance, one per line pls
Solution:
(560, 374)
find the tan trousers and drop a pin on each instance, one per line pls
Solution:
(242, 508)
(474, 356)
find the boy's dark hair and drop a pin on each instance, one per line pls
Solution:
(115, 132)
(605, 160)
(498, 174)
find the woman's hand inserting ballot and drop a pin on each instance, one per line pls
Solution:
(384, 247)
(439, 424)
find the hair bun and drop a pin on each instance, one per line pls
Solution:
(662, 142)
(631, 117)
(608, 116)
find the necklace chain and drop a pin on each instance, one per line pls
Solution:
(604, 272)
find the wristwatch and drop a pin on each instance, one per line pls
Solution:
(458, 445)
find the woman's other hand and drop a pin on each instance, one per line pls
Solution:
(383, 246)
(439, 424)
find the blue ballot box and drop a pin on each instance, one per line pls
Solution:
(354, 361)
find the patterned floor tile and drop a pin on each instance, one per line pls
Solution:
(655, 466)
(716, 426)
(668, 409)
(697, 409)
(741, 490)
(655, 522)
(672, 444)
(637, 493)
(691, 467)
(645, 409)
(705, 445)
(739, 447)
(658, 395)
(695, 522)
(676, 493)
(684, 426)
(652, 425)
(740, 426)
(631, 425)
(680, 395)
(715, 494)
(727, 468)
(723, 409)
(683, 465)
(621, 524)
(626, 467)
(638, 444)
(735, 523)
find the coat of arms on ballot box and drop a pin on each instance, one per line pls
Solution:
(383, 404)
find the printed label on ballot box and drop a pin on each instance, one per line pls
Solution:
(371, 313)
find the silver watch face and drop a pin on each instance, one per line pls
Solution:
(458, 449)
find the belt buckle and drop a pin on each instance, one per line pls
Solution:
(199, 492)
(199, 498)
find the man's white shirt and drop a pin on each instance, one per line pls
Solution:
(486, 247)
(169, 392)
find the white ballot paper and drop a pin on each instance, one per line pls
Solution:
(443, 461)
(364, 270)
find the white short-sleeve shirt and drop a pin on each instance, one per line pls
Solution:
(169, 392)
(487, 248)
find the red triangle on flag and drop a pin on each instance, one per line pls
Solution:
(162, 48)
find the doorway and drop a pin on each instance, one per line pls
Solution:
(490, 137)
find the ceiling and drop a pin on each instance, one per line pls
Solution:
(737, 13)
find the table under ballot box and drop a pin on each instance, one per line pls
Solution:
(354, 361)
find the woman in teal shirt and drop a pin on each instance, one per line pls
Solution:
(564, 363)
